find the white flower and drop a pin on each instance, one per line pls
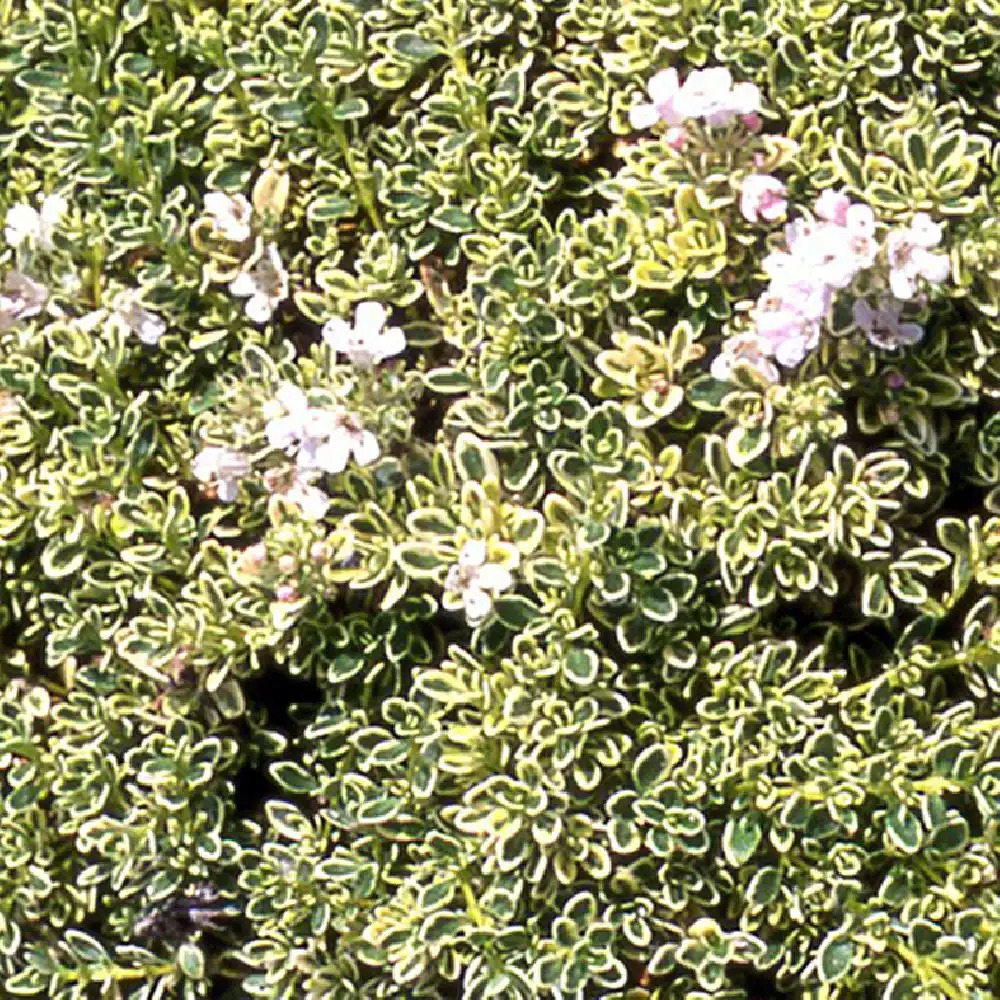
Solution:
(266, 284)
(745, 348)
(762, 197)
(366, 343)
(25, 224)
(146, 325)
(301, 423)
(22, 298)
(230, 214)
(910, 257)
(832, 206)
(475, 580)
(710, 94)
(323, 439)
(223, 465)
(882, 325)
(347, 438)
(663, 89)
(706, 93)
(310, 499)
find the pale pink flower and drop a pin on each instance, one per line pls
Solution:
(310, 499)
(832, 206)
(762, 197)
(882, 324)
(26, 224)
(230, 215)
(475, 581)
(744, 349)
(146, 325)
(22, 298)
(675, 138)
(910, 257)
(223, 466)
(366, 343)
(265, 286)
(663, 89)
(348, 438)
(710, 94)
(323, 439)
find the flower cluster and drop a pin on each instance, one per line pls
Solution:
(320, 439)
(127, 314)
(709, 94)
(473, 582)
(823, 256)
(366, 343)
(24, 296)
(35, 227)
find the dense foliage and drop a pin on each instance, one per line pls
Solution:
(421, 575)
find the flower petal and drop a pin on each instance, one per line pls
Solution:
(337, 333)
(493, 577)
(260, 308)
(23, 223)
(643, 116)
(365, 447)
(369, 318)
(243, 285)
(477, 604)
(473, 553)
(333, 455)
(391, 343)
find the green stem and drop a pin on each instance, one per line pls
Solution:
(119, 974)
(364, 193)
(921, 966)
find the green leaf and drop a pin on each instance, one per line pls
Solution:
(61, 559)
(413, 47)
(293, 778)
(582, 666)
(328, 208)
(915, 151)
(355, 107)
(650, 274)
(744, 444)
(419, 560)
(84, 947)
(379, 810)
(847, 163)
(452, 220)
(764, 887)
(443, 687)
(741, 838)
(952, 837)
(833, 960)
(448, 381)
(653, 766)
(903, 829)
(473, 460)
(287, 820)
(515, 611)
(191, 960)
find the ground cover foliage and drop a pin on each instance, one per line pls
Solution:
(501, 642)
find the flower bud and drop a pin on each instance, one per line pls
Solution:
(287, 564)
(752, 122)
(676, 137)
(256, 555)
(270, 193)
(319, 552)
(285, 593)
